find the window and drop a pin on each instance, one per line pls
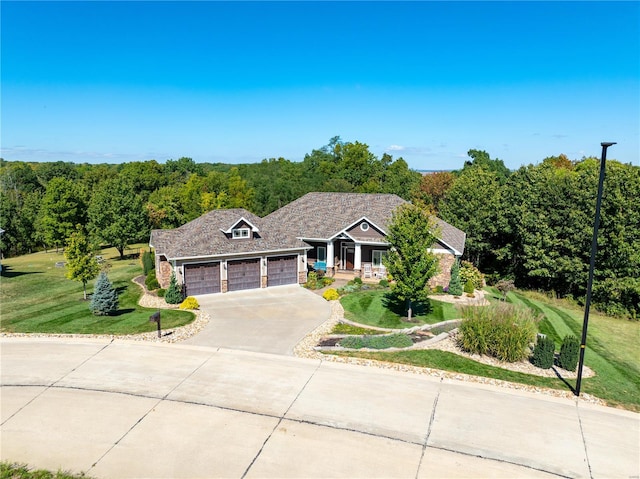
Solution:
(240, 233)
(376, 257)
(364, 226)
(322, 254)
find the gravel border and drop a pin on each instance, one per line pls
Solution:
(306, 349)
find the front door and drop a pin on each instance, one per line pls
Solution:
(347, 256)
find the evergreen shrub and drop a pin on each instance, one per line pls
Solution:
(469, 287)
(568, 359)
(174, 293)
(161, 292)
(147, 262)
(543, 352)
(384, 283)
(455, 284)
(104, 300)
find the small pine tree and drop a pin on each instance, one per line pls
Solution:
(455, 285)
(568, 359)
(104, 300)
(147, 262)
(173, 294)
(543, 352)
(468, 287)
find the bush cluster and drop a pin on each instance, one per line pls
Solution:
(503, 331)
(468, 272)
(317, 280)
(151, 282)
(543, 352)
(331, 294)
(377, 341)
(189, 303)
(568, 358)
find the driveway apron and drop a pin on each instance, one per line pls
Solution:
(269, 320)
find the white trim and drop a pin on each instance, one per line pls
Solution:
(242, 218)
(248, 254)
(324, 248)
(371, 223)
(243, 233)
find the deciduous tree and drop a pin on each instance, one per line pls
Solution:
(410, 263)
(82, 264)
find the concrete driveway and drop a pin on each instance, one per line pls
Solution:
(118, 409)
(270, 320)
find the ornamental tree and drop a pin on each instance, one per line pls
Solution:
(82, 264)
(104, 300)
(410, 262)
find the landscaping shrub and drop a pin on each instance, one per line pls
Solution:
(504, 286)
(174, 293)
(377, 342)
(543, 352)
(161, 292)
(503, 331)
(147, 262)
(331, 295)
(151, 282)
(189, 303)
(384, 283)
(438, 290)
(348, 288)
(468, 272)
(312, 281)
(568, 359)
(357, 280)
(469, 287)
(104, 300)
(455, 284)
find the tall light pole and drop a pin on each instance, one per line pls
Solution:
(594, 249)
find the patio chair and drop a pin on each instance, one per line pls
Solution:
(368, 272)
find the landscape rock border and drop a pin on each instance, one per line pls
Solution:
(306, 348)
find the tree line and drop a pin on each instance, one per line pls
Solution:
(532, 225)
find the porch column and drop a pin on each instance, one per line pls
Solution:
(357, 260)
(330, 254)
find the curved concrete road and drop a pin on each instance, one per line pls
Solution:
(270, 320)
(130, 410)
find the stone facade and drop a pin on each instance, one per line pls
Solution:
(263, 281)
(445, 262)
(163, 272)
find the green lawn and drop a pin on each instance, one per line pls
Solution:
(369, 307)
(612, 352)
(35, 297)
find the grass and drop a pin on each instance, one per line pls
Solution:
(10, 470)
(36, 297)
(611, 352)
(369, 308)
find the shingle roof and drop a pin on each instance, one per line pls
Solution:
(324, 215)
(313, 216)
(204, 236)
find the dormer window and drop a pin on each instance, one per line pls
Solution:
(239, 233)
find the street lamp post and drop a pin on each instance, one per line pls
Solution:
(594, 249)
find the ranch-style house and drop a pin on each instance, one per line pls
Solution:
(338, 233)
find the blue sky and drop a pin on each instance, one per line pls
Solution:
(238, 82)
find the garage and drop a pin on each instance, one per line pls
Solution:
(282, 270)
(202, 278)
(243, 274)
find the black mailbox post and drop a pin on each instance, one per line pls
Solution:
(155, 318)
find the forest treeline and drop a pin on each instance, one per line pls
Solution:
(533, 225)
